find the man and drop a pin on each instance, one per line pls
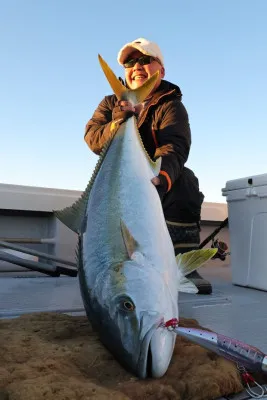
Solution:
(164, 127)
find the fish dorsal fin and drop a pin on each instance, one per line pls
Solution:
(136, 96)
(186, 286)
(190, 261)
(129, 241)
(73, 215)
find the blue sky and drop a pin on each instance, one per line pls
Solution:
(51, 83)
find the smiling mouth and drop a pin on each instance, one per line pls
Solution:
(139, 77)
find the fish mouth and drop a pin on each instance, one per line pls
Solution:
(156, 351)
(144, 365)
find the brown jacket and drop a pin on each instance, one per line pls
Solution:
(164, 121)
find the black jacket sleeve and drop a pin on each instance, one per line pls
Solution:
(100, 127)
(174, 130)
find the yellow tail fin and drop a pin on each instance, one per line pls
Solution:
(122, 93)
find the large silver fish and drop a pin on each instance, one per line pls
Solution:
(129, 275)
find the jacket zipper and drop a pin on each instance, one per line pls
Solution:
(153, 104)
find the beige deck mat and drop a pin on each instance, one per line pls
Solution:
(56, 356)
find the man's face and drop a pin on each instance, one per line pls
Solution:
(138, 74)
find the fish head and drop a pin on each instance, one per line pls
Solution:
(131, 303)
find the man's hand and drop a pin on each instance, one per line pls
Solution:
(155, 181)
(126, 106)
(122, 111)
(160, 188)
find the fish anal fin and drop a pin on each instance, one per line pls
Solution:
(156, 166)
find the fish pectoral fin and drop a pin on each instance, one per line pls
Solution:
(192, 260)
(130, 243)
(186, 286)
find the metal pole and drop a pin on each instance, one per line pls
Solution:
(29, 240)
(48, 269)
(35, 253)
(37, 266)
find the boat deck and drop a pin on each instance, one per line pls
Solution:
(235, 311)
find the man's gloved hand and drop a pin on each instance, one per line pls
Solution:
(161, 185)
(122, 111)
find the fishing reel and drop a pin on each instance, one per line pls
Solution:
(222, 249)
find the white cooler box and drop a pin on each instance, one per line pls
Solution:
(247, 213)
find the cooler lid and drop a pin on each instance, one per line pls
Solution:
(243, 183)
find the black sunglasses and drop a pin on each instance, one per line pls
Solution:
(143, 60)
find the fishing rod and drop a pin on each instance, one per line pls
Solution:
(221, 246)
(214, 233)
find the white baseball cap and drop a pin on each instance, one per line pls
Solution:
(144, 46)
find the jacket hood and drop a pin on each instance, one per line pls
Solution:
(166, 86)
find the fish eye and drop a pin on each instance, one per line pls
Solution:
(127, 305)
